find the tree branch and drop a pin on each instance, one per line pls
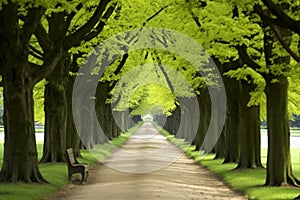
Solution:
(36, 51)
(283, 43)
(164, 73)
(155, 14)
(242, 50)
(122, 63)
(266, 17)
(258, 9)
(284, 20)
(87, 27)
(31, 21)
(43, 37)
(100, 26)
(70, 17)
(196, 19)
(50, 63)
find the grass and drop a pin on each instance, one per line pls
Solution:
(55, 173)
(250, 182)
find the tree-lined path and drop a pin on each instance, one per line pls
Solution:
(129, 175)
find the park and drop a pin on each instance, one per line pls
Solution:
(164, 99)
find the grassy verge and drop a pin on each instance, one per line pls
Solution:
(249, 182)
(55, 173)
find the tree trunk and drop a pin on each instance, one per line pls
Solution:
(100, 111)
(205, 115)
(185, 121)
(173, 122)
(56, 113)
(249, 138)
(279, 168)
(20, 154)
(102, 94)
(72, 137)
(233, 89)
(167, 125)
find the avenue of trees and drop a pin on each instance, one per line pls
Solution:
(254, 44)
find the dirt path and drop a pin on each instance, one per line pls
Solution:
(128, 174)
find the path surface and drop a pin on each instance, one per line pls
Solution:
(128, 174)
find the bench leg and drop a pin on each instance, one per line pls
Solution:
(82, 177)
(86, 176)
(69, 176)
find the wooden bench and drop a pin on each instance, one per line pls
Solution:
(75, 167)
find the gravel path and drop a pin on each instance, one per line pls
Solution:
(148, 166)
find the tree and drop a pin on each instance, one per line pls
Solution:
(57, 81)
(282, 19)
(19, 76)
(279, 170)
(224, 26)
(249, 117)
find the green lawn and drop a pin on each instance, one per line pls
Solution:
(55, 173)
(250, 182)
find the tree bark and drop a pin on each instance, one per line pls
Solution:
(221, 146)
(205, 115)
(72, 137)
(20, 162)
(233, 90)
(279, 168)
(249, 138)
(175, 122)
(56, 113)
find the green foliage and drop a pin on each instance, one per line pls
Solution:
(227, 24)
(142, 85)
(158, 100)
(38, 95)
(294, 96)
